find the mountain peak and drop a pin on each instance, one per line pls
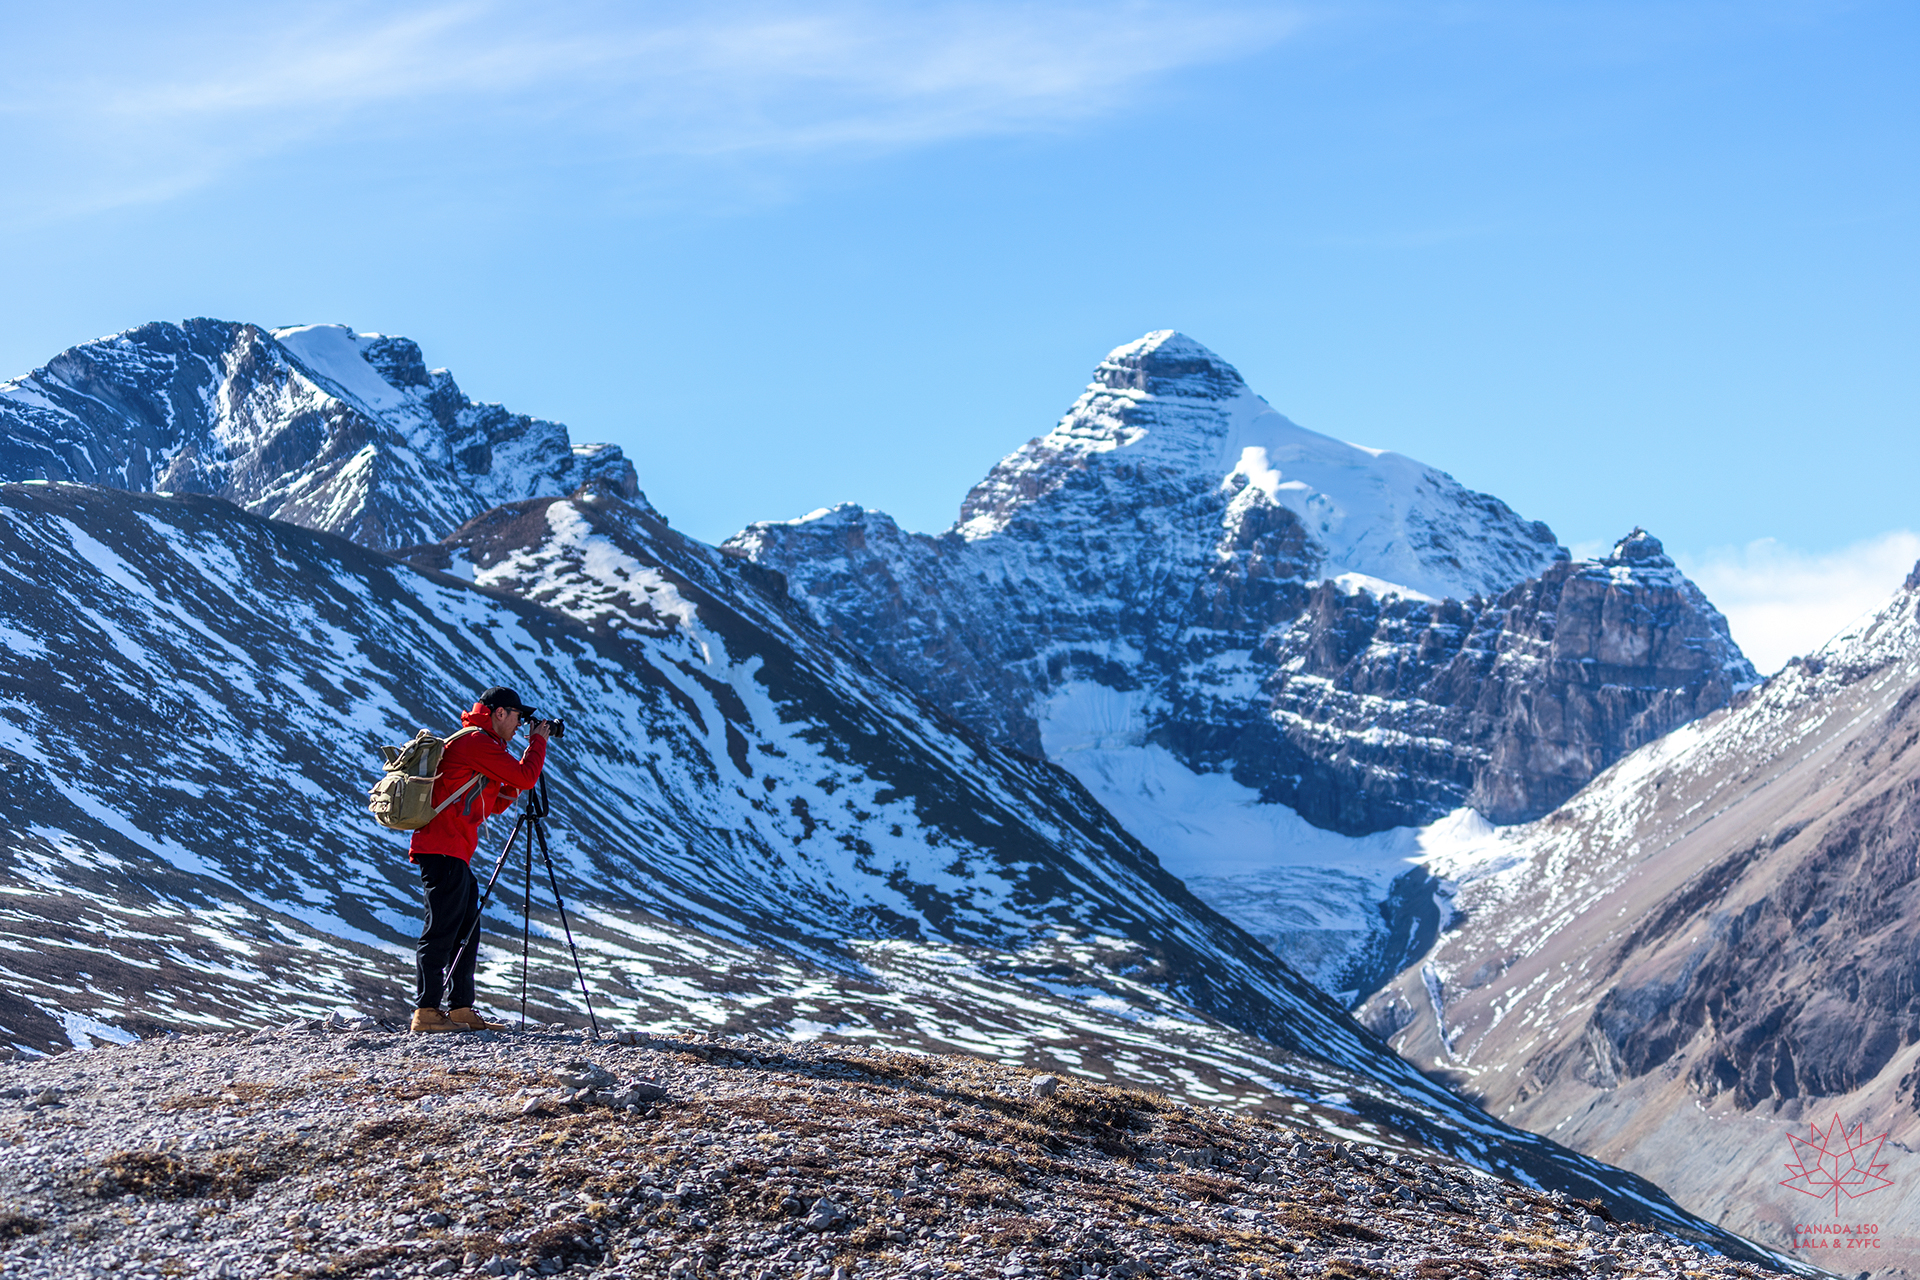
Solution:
(1640, 549)
(1167, 426)
(1166, 364)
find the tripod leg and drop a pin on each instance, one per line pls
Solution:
(540, 830)
(526, 928)
(473, 939)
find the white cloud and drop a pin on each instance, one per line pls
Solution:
(1781, 602)
(156, 110)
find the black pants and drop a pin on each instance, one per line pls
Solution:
(453, 909)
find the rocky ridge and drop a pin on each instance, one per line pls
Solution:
(316, 425)
(358, 1153)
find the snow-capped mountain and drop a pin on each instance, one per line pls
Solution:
(317, 425)
(1709, 948)
(1314, 619)
(754, 829)
(1171, 520)
(1223, 623)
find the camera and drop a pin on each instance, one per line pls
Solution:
(556, 726)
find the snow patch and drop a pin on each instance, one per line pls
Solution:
(332, 353)
(82, 1031)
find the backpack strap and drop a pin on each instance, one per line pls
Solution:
(466, 787)
(477, 779)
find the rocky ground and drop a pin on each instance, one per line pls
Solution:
(353, 1151)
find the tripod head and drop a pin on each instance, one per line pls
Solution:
(537, 804)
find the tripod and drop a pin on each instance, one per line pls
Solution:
(533, 820)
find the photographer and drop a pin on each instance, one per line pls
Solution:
(443, 850)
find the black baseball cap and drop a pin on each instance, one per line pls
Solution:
(498, 698)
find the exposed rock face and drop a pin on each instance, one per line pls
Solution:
(1709, 944)
(1386, 712)
(1343, 630)
(319, 426)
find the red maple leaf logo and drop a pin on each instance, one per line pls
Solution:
(1836, 1161)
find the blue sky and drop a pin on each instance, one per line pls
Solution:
(1617, 263)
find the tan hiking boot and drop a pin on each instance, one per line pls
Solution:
(434, 1020)
(471, 1021)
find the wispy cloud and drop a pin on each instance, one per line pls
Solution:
(1781, 602)
(166, 108)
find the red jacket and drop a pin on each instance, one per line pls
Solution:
(456, 832)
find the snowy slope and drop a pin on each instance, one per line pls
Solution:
(755, 830)
(317, 425)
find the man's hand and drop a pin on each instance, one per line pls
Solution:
(540, 730)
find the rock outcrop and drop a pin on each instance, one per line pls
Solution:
(316, 425)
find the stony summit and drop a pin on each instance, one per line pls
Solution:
(315, 1152)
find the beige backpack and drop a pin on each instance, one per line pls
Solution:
(403, 798)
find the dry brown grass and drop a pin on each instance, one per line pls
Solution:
(1005, 1233)
(155, 1173)
(1110, 1117)
(239, 1093)
(891, 1067)
(1535, 1240)
(1125, 1202)
(1196, 1233)
(361, 1261)
(1203, 1187)
(1303, 1221)
(388, 1127)
(985, 1193)
(1448, 1268)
